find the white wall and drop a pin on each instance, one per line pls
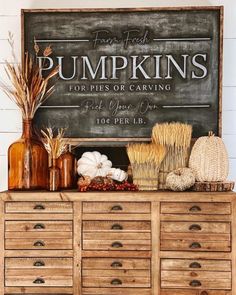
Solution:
(10, 118)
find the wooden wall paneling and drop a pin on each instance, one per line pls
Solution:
(1, 247)
(77, 248)
(155, 273)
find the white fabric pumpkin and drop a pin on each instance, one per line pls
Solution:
(118, 174)
(209, 159)
(94, 164)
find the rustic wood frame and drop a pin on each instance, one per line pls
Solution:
(119, 141)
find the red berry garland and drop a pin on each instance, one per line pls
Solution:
(124, 186)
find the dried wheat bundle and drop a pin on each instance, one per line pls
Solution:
(28, 88)
(54, 145)
(176, 137)
(145, 160)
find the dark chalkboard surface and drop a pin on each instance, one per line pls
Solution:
(123, 70)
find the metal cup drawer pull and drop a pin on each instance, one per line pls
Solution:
(116, 264)
(39, 226)
(39, 244)
(39, 207)
(39, 263)
(195, 265)
(39, 281)
(195, 208)
(117, 245)
(195, 283)
(195, 227)
(116, 282)
(116, 208)
(117, 226)
(195, 245)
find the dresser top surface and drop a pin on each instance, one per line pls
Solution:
(118, 196)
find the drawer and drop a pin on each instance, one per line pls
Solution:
(117, 291)
(26, 279)
(40, 272)
(117, 245)
(38, 235)
(195, 208)
(197, 264)
(194, 292)
(109, 279)
(196, 280)
(195, 227)
(43, 244)
(129, 226)
(116, 236)
(38, 207)
(115, 263)
(31, 263)
(114, 207)
(38, 226)
(190, 244)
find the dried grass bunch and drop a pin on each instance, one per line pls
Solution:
(145, 160)
(29, 89)
(176, 137)
(54, 145)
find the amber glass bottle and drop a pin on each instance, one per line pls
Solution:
(27, 162)
(67, 164)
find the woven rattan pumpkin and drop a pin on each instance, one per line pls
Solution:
(180, 179)
(209, 159)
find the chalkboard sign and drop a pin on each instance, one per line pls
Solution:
(123, 70)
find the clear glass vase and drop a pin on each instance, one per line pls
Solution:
(27, 162)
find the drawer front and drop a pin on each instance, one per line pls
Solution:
(38, 225)
(198, 264)
(38, 207)
(116, 281)
(116, 236)
(38, 235)
(196, 280)
(196, 227)
(117, 245)
(42, 244)
(129, 226)
(41, 272)
(194, 292)
(195, 208)
(32, 263)
(31, 280)
(113, 207)
(183, 244)
(116, 263)
(117, 291)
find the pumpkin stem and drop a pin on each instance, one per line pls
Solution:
(178, 172)
(210, 133)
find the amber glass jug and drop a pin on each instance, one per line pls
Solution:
(67, 165)
(27, 162)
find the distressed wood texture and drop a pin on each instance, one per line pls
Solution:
(2, 283)
(118, 243)
(77, 245)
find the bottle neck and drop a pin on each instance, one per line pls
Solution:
(27, 129)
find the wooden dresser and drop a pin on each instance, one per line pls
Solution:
(157, 243)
